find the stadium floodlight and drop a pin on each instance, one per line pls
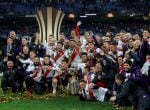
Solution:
(83, 16)
(110, 15)
(29, 16)
(92, 14)
(71, 15)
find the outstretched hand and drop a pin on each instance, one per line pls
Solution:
(79, 23)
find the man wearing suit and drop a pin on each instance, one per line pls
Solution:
(9, 49)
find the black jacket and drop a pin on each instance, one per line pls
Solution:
(10, 75)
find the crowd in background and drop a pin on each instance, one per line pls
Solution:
(100, 29)
(76, 6)
(113, 67)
